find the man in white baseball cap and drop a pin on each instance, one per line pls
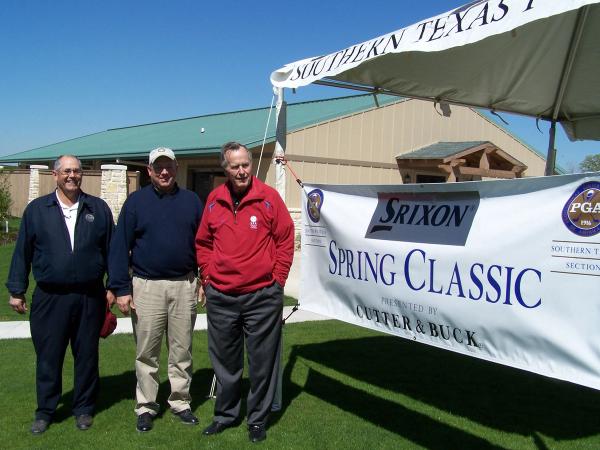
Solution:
(155, 239)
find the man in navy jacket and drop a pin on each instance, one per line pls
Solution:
(155, 238)
(65, 237)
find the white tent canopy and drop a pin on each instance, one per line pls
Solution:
(531, 57)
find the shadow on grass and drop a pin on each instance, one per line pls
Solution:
(113, 389)
(496, 396)
(116, 388)
(392, 416)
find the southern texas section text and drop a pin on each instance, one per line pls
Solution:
(492, 284)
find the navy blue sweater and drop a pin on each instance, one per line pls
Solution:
(44, 244)
(159, 230)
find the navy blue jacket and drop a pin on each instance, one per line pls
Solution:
(159, 231)
(44, 244)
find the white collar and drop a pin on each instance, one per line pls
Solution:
(65, 206)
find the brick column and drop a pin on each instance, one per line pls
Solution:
(34, 181)
(113, 187)
(296, 214)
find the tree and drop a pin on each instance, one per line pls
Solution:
(5, 198)
(591, 163)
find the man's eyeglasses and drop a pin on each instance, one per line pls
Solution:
(159, 168)
(71, 171)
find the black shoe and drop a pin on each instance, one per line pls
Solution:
(187, 417)
(257, 433)
(144, 422)
(84, 422)
(39, 426)
(214, 428)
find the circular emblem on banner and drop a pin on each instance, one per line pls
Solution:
(581, 213)
(89, 217)
(314, 203)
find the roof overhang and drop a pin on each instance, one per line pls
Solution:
(484, 160)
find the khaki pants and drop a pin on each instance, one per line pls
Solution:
(164, 306)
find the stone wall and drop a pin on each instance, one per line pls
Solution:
(113, 187)
(296, 214)
(34, 181)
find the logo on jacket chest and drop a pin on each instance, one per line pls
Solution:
(253, 223)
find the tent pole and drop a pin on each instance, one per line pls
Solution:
(280, 141)
(277, 403)
(551, 157)
(564, 81)
(280, 144)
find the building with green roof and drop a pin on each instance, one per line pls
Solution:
(358, 139)
(196, 136)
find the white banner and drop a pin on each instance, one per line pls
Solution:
(507, 271)
(464, 25)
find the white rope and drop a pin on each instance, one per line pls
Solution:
(265, 136)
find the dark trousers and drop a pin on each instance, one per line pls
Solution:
(58, 318)
(256, 319)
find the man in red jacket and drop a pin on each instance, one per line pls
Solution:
(245, 247)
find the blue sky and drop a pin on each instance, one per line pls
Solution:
(75, 67)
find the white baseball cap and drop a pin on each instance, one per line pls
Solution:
(160, 151)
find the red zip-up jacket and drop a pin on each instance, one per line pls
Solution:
(245, 250)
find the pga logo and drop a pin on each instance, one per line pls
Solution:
(581, 213)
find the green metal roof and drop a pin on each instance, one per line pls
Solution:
(440, 150)
(185, 136)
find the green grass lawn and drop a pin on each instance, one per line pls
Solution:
(344, 387)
